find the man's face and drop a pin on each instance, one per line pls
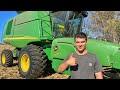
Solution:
(80, 44)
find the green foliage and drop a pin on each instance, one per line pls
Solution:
(107, 23)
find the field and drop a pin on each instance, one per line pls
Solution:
(12, 72)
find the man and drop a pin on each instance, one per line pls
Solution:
(83, 64)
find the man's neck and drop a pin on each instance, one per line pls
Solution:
(82, 52)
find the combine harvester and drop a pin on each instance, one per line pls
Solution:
(42, 36)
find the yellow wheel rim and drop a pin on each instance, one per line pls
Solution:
(25, 62)
(3, 58)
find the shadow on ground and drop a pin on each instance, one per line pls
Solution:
(49, 70)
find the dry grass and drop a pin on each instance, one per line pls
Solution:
(5, 46)
(12, 72)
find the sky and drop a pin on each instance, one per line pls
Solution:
(4, 17)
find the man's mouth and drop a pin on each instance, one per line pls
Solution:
(80, 46)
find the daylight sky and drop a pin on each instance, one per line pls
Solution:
(4, 17)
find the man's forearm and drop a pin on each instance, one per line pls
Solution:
(99, 75)
(62, 67)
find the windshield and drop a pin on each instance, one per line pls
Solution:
(66, 23)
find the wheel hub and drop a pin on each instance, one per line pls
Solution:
(25, 62)
(3, 58)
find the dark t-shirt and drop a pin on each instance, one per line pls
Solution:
(86, 68)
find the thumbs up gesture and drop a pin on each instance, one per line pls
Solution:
(72, 61)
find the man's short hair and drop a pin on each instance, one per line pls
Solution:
(80, 35)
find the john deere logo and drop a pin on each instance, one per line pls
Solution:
(55, 48)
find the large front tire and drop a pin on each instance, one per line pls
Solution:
(32, 62)
(7, 58)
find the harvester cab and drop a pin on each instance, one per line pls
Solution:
(67, 23)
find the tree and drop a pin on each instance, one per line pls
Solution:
(103, 22)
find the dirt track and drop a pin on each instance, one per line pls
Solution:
(12, 72)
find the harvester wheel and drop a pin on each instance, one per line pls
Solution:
(7, 58)
(32, 62)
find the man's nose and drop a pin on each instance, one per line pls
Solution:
(80, 45)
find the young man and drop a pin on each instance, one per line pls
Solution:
(83, 64)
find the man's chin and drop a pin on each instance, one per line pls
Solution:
(80, 51)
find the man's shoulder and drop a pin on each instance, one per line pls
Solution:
(91, 54)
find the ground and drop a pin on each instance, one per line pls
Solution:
(12, 73)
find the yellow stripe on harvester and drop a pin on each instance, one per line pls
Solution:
(20, 38)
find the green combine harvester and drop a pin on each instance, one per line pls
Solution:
(42, 36)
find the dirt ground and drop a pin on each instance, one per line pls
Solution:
(12, 72)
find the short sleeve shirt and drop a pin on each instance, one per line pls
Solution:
(87, 66)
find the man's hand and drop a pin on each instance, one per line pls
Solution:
(72, 61)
